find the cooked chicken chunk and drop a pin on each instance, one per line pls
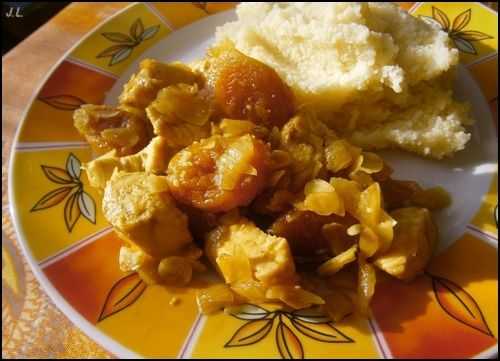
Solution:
(218, 174)
(180, 114)
(140, 208)
(415, 237)
(124, 128)
(100, 170)
(242, 252)
(152, 159)
(153, 75)
(258, 267)
(157, 155)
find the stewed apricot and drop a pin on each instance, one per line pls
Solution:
(246, 88)
(218, 174)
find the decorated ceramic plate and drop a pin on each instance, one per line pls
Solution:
(450, 311)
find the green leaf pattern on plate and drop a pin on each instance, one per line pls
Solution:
(126, 42)
(78, 202)
(463, 40)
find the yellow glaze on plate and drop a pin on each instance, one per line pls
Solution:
(46, 227)
(475, 27)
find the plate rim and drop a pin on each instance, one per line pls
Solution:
(109, 344)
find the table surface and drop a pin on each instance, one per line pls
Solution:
(32, 326)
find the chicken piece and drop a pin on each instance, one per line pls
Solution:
(218, 174)
(258, 267)
(157, 155)
(105, 128)
(304, 231)
(153, 75)
(304, 137)
(180, 114)
(415, 237)
(247, 89)
(100, 170)
(140, 208)
(242, 252)
(152, 159)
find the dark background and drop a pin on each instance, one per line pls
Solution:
(34, 15)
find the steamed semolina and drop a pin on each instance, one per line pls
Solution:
(376, 74)
(433, 125)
